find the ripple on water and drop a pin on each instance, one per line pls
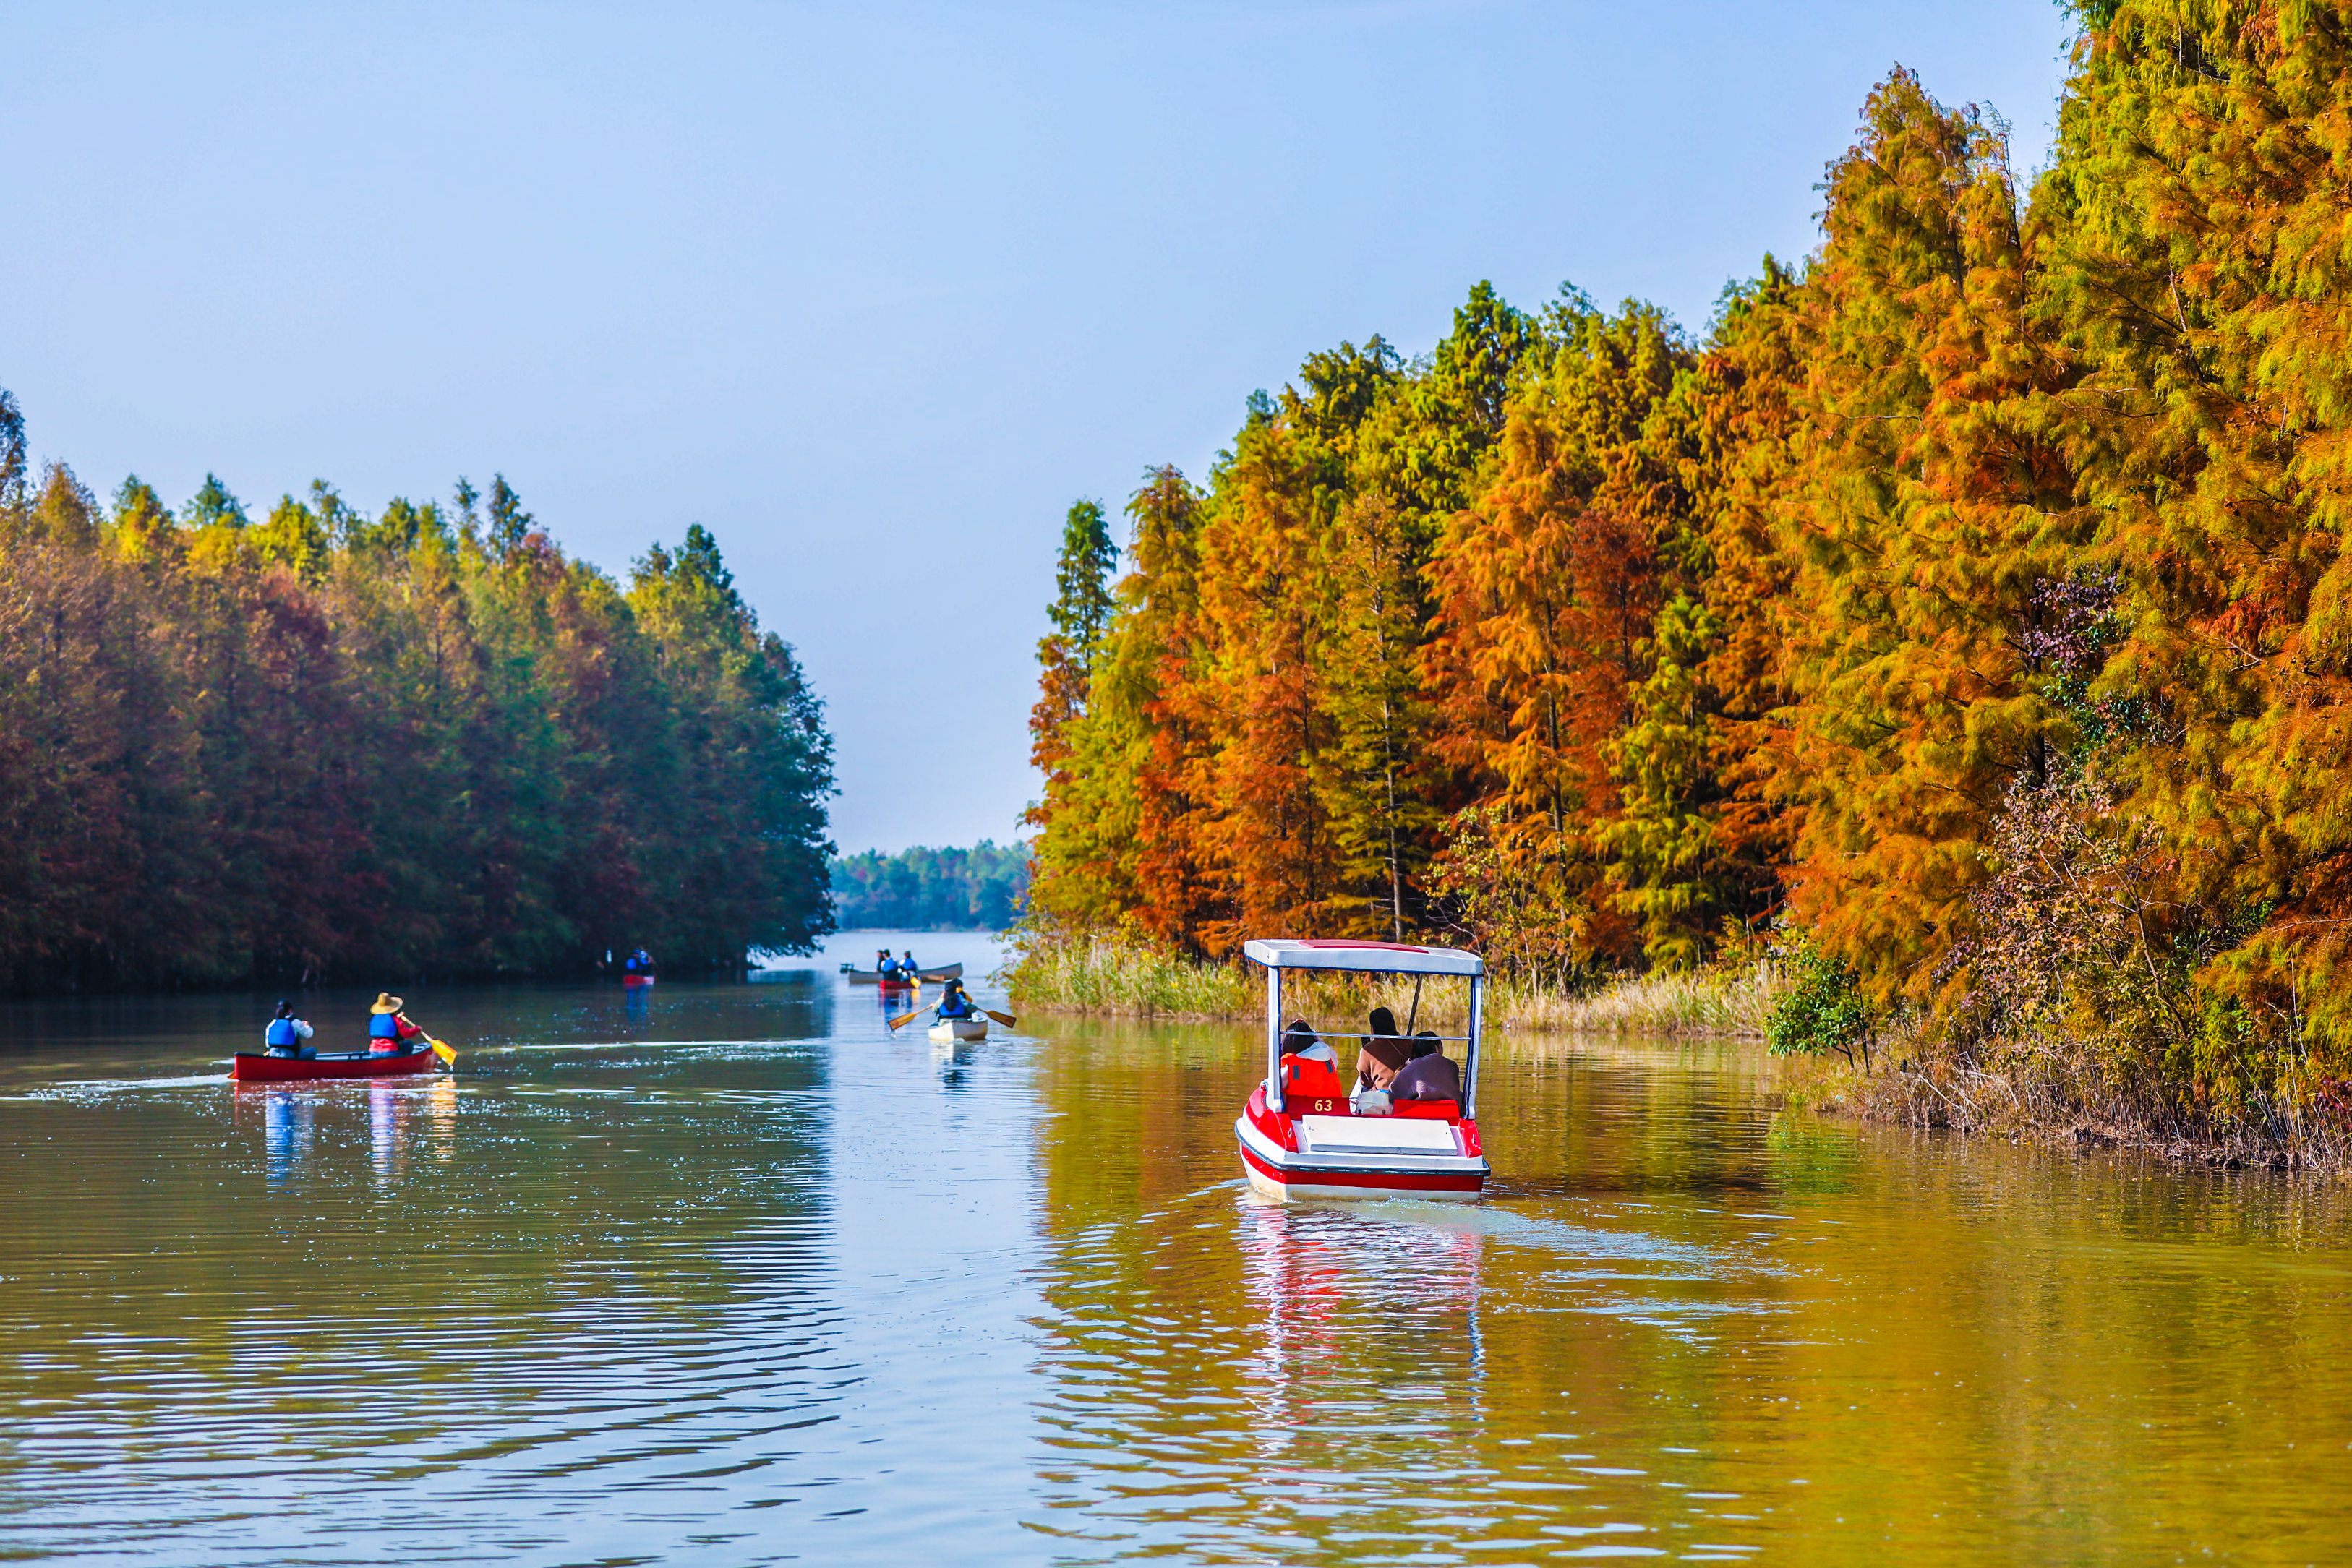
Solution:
(734, 1278)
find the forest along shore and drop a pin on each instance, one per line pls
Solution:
(1958, 616)
(319, 747)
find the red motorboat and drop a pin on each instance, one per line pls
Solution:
(1303, 1134)
(252, 1067)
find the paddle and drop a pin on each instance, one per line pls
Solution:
(448, 1057)
(909, 1018)
(1007, 1019)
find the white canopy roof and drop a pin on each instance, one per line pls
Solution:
(1372, 957)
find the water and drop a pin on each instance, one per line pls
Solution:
(736, 1276)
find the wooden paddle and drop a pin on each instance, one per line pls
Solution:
(909, 1018)
(1007, 1019)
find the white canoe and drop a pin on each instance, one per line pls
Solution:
(960, 1029)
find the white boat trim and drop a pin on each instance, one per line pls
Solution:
(1364, 958)
(1308, 1162)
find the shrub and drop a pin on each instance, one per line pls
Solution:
(1821, 1011)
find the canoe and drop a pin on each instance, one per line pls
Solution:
(635, 980)
(948, 1029)
(252, 1067)
(872, 977)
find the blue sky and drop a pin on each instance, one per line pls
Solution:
(872, 291)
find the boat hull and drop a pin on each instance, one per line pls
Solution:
(872, 977)
(251, 1067)
(636, 982)
(960, 1029)
(1456, 1173)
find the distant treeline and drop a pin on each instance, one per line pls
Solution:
(1965, 609)
(365, 749)
(978, 889)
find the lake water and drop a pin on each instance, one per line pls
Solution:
(737, 1276)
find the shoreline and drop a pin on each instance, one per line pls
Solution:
(1103, 976)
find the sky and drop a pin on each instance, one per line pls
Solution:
(872, 291)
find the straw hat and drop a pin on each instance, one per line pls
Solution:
(385, 1002)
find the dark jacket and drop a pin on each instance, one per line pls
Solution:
(1427, 1078)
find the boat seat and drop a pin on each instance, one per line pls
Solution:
(1435, 1110)
(1310, 1086)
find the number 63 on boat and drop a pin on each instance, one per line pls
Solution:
(1305, 1134)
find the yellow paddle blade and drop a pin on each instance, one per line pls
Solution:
(448, 1057)
(903, 1019)
(1007, 1019)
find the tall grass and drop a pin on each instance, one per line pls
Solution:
(1726, 1002)
(1101, 974)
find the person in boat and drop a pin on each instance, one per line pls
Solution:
(953, 1003)
(1383, 1056)
(1298, 1039)
(285, 1033)
(639, 963)
(906, 966)
(389, 1030)
(1379, 1031)
(885, 967)
(1428, 1073)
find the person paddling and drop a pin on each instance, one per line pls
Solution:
(388, 1030)
(953, 1003)
(885, 967)
(285, 1034)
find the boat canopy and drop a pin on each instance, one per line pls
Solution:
(1365, 957)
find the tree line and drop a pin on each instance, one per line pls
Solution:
(923, 889)
(1961, 606)
(321, 745)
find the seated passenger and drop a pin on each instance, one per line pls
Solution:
(285, 1033)
(1300, 1040)
(388, 1030)
(1430, 1075)
(1378, 1063)
(953, 1003)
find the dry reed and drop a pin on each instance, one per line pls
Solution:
(1103, 974)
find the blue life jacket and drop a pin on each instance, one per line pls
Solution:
(955, 1005)
(381, 1026)
(280, 1032)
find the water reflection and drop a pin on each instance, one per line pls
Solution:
(400, 1116)
(743, 1277)
(953, 1060)
(1348, 1296)
(285, 1122)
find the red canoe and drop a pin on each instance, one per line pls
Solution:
(628, 981)
(251, 1067)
